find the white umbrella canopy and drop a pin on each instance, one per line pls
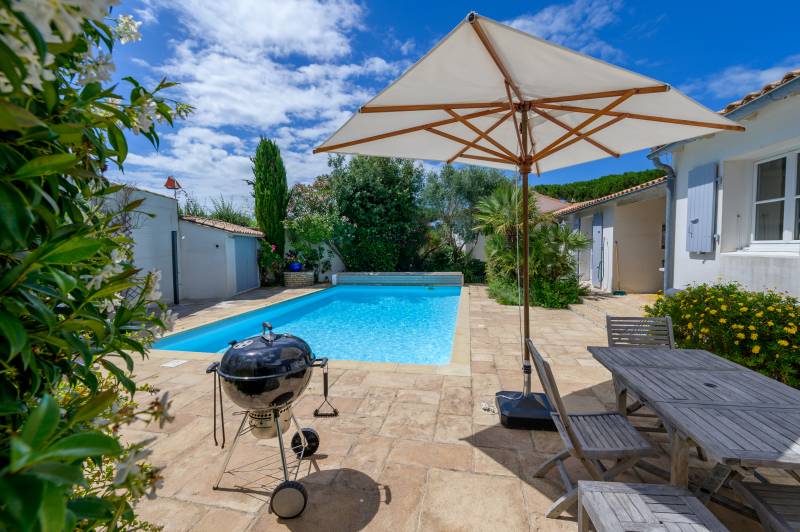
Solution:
(455, 105)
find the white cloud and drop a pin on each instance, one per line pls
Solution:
(737, 80)
(279, 69)
(575, 25)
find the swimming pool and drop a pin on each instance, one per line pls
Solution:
(405, 324)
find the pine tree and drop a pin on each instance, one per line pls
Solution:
(271, 192)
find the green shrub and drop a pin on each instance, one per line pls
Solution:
(543, 293)
(755, 329)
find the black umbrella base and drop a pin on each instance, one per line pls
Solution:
(530, 412)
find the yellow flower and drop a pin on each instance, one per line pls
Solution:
(687, 316)
(743, 309)
(784, 343)
(751, 327)
(723, 307)
(723, 320)
(712, 311)
(689, 326)
(704, 330)
(770, 308)
(756, 349)
(770, 323)
(740, 336)
(790, 330)
(759, 314)
(736, 342)
(754, 336)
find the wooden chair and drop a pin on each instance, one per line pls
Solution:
(629, 331)
(777, 505)
(613, 506)
(589, 438)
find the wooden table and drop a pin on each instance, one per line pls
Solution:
(737, 416)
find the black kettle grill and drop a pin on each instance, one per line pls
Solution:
(265, 375)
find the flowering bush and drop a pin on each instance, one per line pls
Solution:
(758, 330)
(74, 311)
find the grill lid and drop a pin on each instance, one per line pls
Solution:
(265, 356)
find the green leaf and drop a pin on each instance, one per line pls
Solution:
(42, 423)
(15, 213)
(11, 407)
(92, 508)
(65, 282)
(81, 445)
(120, 375)
(20, 454)
(13, 118)
(52, 512)
(72, 250)
(95, 405)
(58, 473)
(117, 139)
(13, 332)
(22, 497)
(46, 165)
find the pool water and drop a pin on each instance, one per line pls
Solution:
(405, 324)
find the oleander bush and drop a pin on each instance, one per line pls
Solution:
(758, 330)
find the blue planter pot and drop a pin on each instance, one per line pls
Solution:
(295, 266)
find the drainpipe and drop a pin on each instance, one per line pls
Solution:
(669, 220)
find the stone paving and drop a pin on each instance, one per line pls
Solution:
(411, 450)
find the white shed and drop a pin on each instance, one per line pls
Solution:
(218, 259)
(737, 195)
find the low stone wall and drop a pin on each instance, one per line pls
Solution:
(298, 279)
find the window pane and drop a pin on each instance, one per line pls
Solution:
(797, 219)
(769, 221)
(771, 179)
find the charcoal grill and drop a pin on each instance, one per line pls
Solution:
(265, 375)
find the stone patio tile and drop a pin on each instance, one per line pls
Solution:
(493, 461)
(429, 382)
(463, 501)
(358, 424)
(406, 484)
(453, 429)
(483, 367)
(418, 396)
(408, 420)
(217, 519)
(378, 392)
(456, 401)
(389, 380)
(174, 516)
(497, 436)
(372, 406)
(547, 442)
(452, 381)
(427, 454)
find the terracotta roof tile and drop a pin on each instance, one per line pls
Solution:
(549, 203)
(225, 226)
(789, 76)
(584, 204)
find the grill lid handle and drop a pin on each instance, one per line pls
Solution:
(267, 326)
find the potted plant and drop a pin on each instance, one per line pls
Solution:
(294, 262)
(296, 274)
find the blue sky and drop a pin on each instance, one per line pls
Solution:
(294, 70)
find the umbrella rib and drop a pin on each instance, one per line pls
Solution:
(522, 152)
(533, 148)
(544, 153)
(470, 144)
(478, 138)
(577, 129)
(404, 131)
(604, 94)
(583, 136)
(637, 116)
(482, 134)
(429, 107)
(490, 159)
(496, 58)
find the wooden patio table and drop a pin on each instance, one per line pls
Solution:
(740, 418)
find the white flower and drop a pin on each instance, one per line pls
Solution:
(145, 115)
(169, 319)
(129, 466)
(66, 15)
(95, 69)
(127, 29)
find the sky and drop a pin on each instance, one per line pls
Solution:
(294, 70)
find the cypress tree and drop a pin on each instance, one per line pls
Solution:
(271, 192)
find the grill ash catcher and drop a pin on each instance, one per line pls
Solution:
(265, 375)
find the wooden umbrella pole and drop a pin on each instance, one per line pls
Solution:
(524, 172)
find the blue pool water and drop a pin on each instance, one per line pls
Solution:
(405, 324)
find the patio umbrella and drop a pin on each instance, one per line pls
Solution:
(492, 95)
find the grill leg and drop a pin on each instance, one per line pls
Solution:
(276, 416)
(230, 450)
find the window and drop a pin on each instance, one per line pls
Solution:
(776, 214)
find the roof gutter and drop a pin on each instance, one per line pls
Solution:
(790, 88)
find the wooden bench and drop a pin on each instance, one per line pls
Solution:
(615, 507)
(777, 505)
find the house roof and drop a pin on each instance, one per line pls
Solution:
(769, 87)
(575, 207)
(548, 203)
(224, 226)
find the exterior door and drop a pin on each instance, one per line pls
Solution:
(246, 252)
(597, 250)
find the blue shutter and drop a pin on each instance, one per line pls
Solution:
(701, 209)
(576, 226)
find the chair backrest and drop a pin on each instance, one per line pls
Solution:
(548, 382)
(624, 331)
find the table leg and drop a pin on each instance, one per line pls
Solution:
(583, 516)
(622, 397)
(678, 460)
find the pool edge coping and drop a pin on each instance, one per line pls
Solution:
(459, 364)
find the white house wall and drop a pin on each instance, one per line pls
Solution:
(152, 236)
(638, 253)
(585, 256)
(773, 130)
